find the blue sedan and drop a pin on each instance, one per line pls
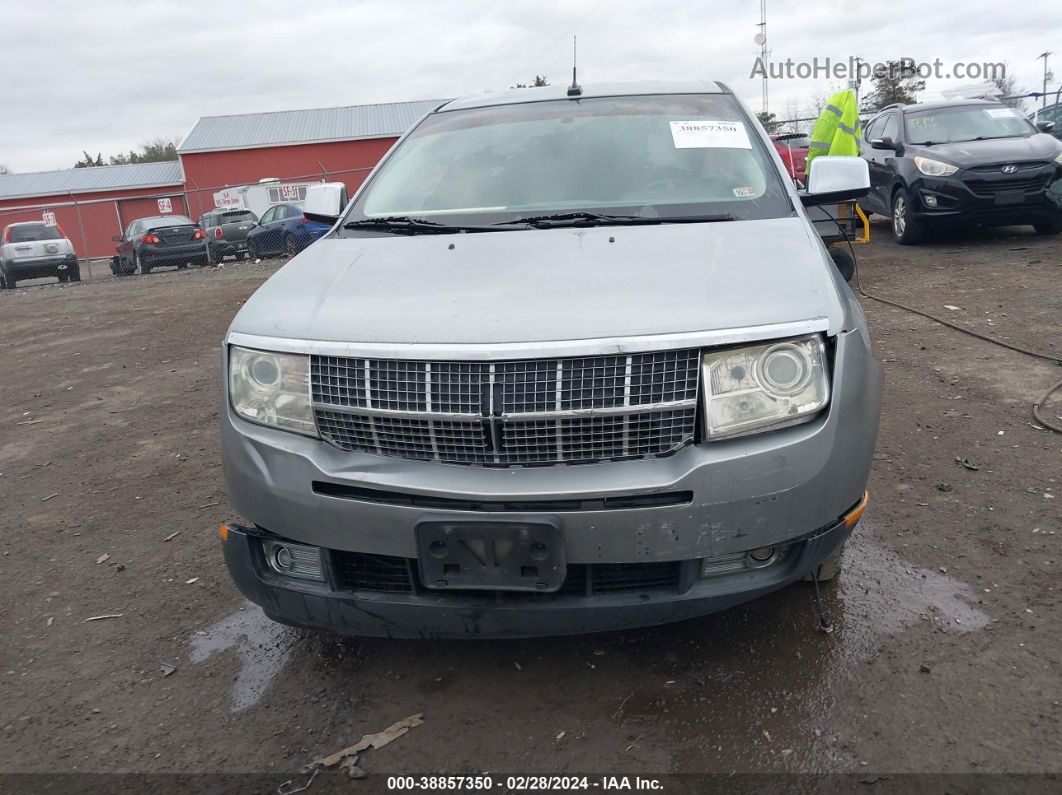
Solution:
(283, 229)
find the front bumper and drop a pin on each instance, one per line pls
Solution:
(462, 614)
(762, 490)
(990, 198)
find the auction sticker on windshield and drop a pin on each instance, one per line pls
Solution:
(710, 134)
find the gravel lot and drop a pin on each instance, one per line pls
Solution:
(946, 654)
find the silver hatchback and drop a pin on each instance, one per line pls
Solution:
(569, 361)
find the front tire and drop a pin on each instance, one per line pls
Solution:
(74, 273)
(1049, 227)
(252, 251)
(140, 265)
(906, 229)
(291, 247)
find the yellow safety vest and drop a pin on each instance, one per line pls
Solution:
(836, 131)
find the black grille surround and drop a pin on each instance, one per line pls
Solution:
(358, 571)
(535, 412)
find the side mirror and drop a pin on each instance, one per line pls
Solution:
(117, 238)
(1045, 126)
(833, 179)
(882, 143)
(325, 202)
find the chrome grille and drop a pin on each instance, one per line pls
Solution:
(531, 412)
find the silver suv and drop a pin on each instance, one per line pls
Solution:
(35, 250)
(569, 361)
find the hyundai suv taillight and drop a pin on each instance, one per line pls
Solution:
(217, 232)
(198, 234)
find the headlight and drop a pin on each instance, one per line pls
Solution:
(934, 168)
(764, 386)
(272, 389)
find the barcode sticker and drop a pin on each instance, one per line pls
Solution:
(710, 134)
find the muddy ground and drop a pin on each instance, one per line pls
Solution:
(946, 654)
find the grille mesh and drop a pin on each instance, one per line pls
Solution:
(533, 412)
(357, 571)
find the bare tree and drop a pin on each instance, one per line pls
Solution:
(1008, 85)
(538, 82)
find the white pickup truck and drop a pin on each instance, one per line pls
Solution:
(35, 250)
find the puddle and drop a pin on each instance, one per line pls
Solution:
(263, 648)
(882, 590)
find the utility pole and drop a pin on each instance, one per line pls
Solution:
(761, 39)
(1046, 73)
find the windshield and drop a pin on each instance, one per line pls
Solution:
(952, 125)
(236, 217)
(169, 220)
(26, 233)
(794, 141)
(650, 156)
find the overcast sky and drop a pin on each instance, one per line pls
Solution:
(108, 75)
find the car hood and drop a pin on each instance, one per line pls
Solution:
(550, 284)
(1040, 147)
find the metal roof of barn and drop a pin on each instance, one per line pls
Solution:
(88, 180)
(315, 125)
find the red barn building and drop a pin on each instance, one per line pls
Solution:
(92, 205)
(337, 144)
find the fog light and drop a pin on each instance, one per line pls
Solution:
(294, 560)
(735, 562)
(764, 556)
(931, 201)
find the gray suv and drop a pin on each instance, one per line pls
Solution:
(570, 360)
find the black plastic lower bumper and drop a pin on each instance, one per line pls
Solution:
(454, 614)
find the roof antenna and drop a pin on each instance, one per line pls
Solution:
(574, 90)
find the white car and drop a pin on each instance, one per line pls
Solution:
(34, 250)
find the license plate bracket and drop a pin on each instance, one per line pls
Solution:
(1010, 197)
(487, 555)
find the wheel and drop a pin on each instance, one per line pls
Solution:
(291, 248)
(138, 265)
(182, 266)
(252, 252)
(905, 227)
(6, 282)
(211, 256)
(830, 566)
(74, 273)
(1048, 227)
(61, 276)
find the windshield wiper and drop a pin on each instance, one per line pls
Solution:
(412, 226)
(605, 219)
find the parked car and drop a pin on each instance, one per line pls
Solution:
(970, 161)
(159, 241)
(561, 366)
(34, 250)
(793, 149)
(226, 233)
(1049, 119)
(283, 229)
